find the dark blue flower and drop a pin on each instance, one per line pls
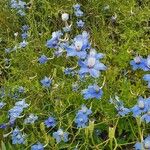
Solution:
(37, 146)
(43, 59)
(60, 135)
(50, 122)
(2, 104)
(3, 126)
(93, 91)
(46, 82)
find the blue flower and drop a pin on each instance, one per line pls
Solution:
(84, 110)
(31, 119)
(3, 126)
(147, 78)
(50, 122)
(23, 44)
(146, 117)
(81, 120)
(91, 65)
(80, 23)
(122, 111)
(46, 82)
(7, 50)
(52, 43)
(2, 104)
(43, 59)
(21, 89)
(140, 63)
(144, 145)
(24, 35)
(138, 146)
(140, 108)
(79, 46)
(21, 4)
(22, 104)
(60, 135)
(82, 115)
(18, 137)
(21, 12)
(37, 146)
(93, 91)
(78, 13)
(76, 6)
(25, 28)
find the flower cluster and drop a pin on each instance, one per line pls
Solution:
(20, 6)
(82, 117)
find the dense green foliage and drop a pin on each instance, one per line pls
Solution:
(120, 42)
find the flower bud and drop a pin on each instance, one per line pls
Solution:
(65, 17)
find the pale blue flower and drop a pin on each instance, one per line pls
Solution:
(60, 135)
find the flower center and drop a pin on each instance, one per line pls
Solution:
(78, 45)
(137, 59)
(141, 104)
(91, 62)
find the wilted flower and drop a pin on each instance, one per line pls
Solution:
(31, 119)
